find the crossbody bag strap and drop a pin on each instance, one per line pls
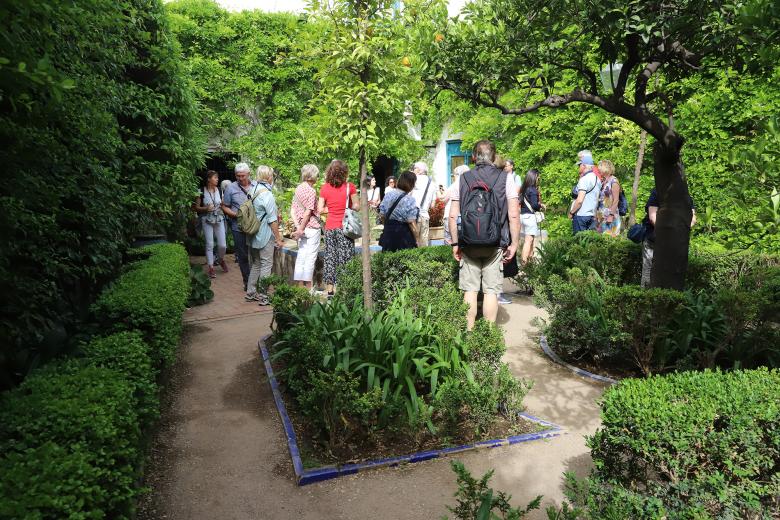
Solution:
(392, 208)
(425, 193)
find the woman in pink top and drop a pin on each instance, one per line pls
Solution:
(307, 226)
(334, 195)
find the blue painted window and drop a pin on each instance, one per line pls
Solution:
(455, 157)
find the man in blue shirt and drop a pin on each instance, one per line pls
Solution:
(583, 209)
(235, 195)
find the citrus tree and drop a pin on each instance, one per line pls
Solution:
(624, 57)
(363, 73)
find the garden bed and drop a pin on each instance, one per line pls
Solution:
(314, 462)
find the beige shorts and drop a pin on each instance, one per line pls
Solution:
(482, 268)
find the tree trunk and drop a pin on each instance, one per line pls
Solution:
(368, 300)
(673, 220)
(640, 157)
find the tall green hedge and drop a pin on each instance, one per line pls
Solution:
(99, 139)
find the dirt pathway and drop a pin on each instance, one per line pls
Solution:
(220, 452)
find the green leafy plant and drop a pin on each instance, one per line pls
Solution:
(200, 287)
(150, 297)
(692, 444)
(288, 300)
(477, 501)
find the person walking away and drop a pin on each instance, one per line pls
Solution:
(648, 244)
(586, 196)
(235, 195)
(399, 212)
(608, 215)
(261, 247)
(530, 203)
(308, 231)
(424, 194)
(209, 206)
(511, 268)
(490, 228)
(335, 194)
(452, 191)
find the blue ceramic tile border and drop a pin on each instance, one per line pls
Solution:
(309, 476)
(580, 372)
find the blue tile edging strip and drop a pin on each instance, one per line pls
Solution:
(580, 372)
(310, 476)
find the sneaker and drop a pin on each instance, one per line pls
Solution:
(223, 265)
(252, 297)
(212, 273)
(262, 300)
(503, 300)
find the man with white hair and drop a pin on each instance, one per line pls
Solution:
(235, 195)
(424, 194)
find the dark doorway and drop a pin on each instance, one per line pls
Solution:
(220, 163)
(383, 168)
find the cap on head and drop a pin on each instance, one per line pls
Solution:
(585, 157)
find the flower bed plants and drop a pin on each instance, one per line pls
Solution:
(402, 378)
(601, 320)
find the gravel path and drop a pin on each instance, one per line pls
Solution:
(220, 451)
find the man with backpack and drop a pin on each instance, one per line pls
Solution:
(489, 230)
(235, 195)
(585, 194)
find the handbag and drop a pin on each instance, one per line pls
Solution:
(351, 224)
(637, 232)
(538, 214)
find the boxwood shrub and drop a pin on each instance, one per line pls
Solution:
(689, 445)
(84, 416)
(150, 297)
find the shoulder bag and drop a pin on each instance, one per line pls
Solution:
(350, 224)
(538, 214)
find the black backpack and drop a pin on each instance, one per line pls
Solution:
(622, 203)
(481, 219)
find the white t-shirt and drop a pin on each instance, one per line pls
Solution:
(419, 191)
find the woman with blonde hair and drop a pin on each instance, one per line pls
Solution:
(335, 195)
(308, 231)
(607, 216)
(261, 247)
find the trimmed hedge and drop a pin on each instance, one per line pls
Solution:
(71, 435)
(150, 297)
(689, 445)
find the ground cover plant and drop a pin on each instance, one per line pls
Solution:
(73, 435)
(599, 317)
(406, 375)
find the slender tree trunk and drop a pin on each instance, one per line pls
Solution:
(673, 220)
(368, 300)
(640, 157)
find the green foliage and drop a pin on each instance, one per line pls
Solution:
(127, 354)
(477, 501)
(200, 287)
(85, 417)
(150, 297)
(689, 445)
(429, 267)
(251, 85)
(485, 344)
(288, 300)
(99, 138)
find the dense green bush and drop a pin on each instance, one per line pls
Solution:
(150, 297)
(87, 416)
(728, 318)
(430, 267)
(287, 300)
(689, 445)
(128, 354)
(99, 142)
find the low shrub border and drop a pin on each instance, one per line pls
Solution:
(73, 435)
(310, 476)
(579, 371)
